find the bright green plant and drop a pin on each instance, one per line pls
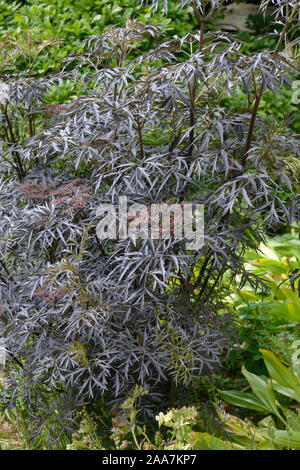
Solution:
(272, 396)
(244, 435)
(180, 424)
(91, 360)
(74, 20)
(268, 319)
(263, 399)
(86, 438)
(10, 436)
(278, 261)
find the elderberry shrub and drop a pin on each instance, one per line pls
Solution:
(85, 319)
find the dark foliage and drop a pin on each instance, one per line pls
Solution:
(84, 318)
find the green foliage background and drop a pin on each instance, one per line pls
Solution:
(73, 21)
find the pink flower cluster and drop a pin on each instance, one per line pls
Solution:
(71, 194)
(2, 308)
(49, 296)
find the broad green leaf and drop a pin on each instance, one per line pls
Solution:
(289, 294)
(268, 252)
(244, 400)
(248, 296)
(281, 310)
(281, 373)
(238, 426)
(245, 433)
(287, 439)
(276, 290)
(262, 388)
(293, 420)
(287, 392)
(273, 266)
(205, 441)
(294, 311)
(267, 422)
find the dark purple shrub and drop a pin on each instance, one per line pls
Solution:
(85, 318)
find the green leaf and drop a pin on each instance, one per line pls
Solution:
(288, 392)
(205, 441)
(287, 439)
(262, 388)
(293, 420)
(245, 400)
(280, 373)
(273, 266)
